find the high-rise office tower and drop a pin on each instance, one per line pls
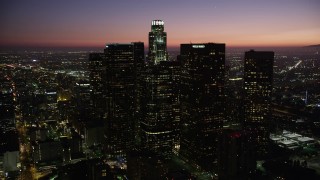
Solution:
(97, 83)
(160, 108)
(120, 87)
(79, 105)
(157, 42)
(113, 79)
(234, 98)
(258, 73)
(202, 97)
(160, 112)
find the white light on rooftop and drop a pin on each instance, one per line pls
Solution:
(198, 46)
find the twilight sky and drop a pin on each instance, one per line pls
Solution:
(65, 23)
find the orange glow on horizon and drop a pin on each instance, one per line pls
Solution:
(235, 23)
(170, 46)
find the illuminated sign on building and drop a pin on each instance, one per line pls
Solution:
(157, 22)
(198, 46)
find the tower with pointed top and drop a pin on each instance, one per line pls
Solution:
(157, 43)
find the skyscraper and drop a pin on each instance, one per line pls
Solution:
(159, 95)
(97, 83)
(160, 108)
(202, 97)
(258, 73)
(121, 68)
(157, 42)
(113, 79)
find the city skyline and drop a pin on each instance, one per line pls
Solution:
(119, 114)
(85, 24)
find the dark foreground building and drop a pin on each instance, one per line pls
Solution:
(97, 83)
(202, 100)
(160, 108)
(121, 68)
(114, 82)
(258, 75)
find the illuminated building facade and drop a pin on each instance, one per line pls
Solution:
(121, 64)
(258, 73)
(157, 42)
(202, 97)
(160, 108)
